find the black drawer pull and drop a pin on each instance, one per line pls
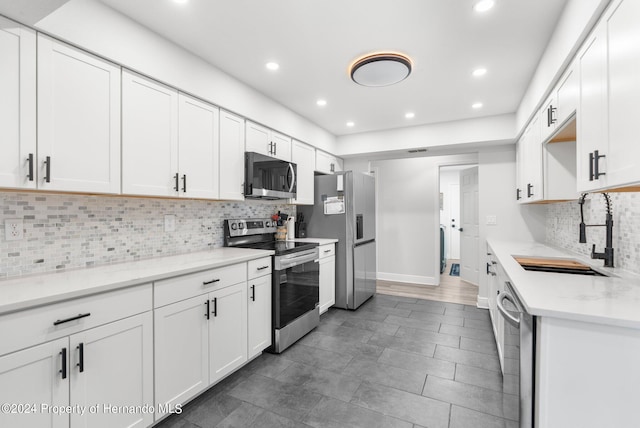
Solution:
(262, 267)
(30, 160)
(253, 293)
(80, 364)
(184, 183)
(215, 307)
(211, 282)
(77, 317)
(327, 251)
(177, 186)
(207, 305)
(63, 370)
(47, 175)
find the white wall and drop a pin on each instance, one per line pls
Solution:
(577, 19)
(497, 185)
(408, 217)
(438, 136)
(93, 26)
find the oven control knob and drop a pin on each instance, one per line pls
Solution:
(268, 224)
(241, 225)
(234, 226)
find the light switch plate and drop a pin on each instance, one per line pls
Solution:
(491, 220)
(14, 229)
(169, 223)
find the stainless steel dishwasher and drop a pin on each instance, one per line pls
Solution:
(520, 332)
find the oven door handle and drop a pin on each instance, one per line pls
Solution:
(295, 261)
(500, 303)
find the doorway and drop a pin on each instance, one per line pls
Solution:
(458, 205)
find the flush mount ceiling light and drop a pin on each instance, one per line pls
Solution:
(483, 5)
(380, 69)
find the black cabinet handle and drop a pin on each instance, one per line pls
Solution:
(63, 370)
(548, 116)
(177, 185)
(275, 149)
(30, 160)
(184, 183)
(47, 166)
(262, 267)
(552, 114)
(77, 317)
(590, 166)
(518, 197)
(327, 251)
(529, 192)
(215, 307)
(332, 168)
(253, 293)
(211, 282)
(488, 267)
(270, 148)
(207, 313)
(80, 364)
(596, 165)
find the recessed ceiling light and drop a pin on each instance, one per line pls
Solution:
(273, 66)
(476, 105)
(483, 5)
(350, 124)
(410, 115)
(321, 103)
(181, 1)
(479, 72)
(380, 69)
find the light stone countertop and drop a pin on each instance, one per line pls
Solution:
(320, 241)
(35, 290)
(613, 300)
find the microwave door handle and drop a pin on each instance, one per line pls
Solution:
(293, 178)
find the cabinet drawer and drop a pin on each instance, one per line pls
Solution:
(30, 327)
(259, 267)
(327, 250)
(183, 287)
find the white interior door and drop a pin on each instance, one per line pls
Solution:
(469, 230)
(453, 193)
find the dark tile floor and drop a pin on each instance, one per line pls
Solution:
(395, 362)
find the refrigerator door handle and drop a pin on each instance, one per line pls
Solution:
(368, 241)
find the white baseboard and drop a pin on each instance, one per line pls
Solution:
(483, 302)
(411, 279)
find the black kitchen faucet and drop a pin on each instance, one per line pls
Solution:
(607, 255)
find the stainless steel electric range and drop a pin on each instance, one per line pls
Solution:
(295, 278)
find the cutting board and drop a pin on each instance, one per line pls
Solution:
(557, 263)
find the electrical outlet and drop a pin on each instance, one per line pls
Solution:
(492, 220)
(169, 223)
(13, 229)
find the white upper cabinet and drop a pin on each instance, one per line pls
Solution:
(609, 90)
(327, 163)
(561, 104)
(304, 156)
(266, 141)
(530, 166)
(17, 105)
(231, 156)
(78, 120)
(149, 137)
(198, 148)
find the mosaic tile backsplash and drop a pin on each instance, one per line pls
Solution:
(74, 231)
(563, 221)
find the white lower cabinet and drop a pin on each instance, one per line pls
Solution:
(327, 266)
(259, 315)
(110, 367)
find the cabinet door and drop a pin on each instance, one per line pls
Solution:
(567, 96)
(78, 120)
(623, 34)
(258, 139)
(181, 351)
(327, 283)
(198, 145)
(227, 330)
(112, 365)
(149, 137)
(17, 105)
(520, 170)
(592, 113)
(231, 156)
(304, 157)
(533, 190)
(259, 328)
(281, 146)
(34, 376)
(323, 162)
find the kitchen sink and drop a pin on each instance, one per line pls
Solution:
(567, 266)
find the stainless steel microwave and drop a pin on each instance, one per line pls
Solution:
(268, 178)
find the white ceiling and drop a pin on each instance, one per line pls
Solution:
(315, 41)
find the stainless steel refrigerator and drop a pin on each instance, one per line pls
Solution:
(344, 208)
